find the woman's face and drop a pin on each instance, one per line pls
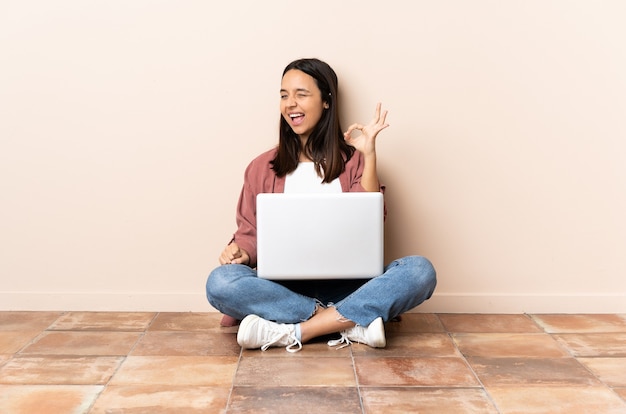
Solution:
(301, 102)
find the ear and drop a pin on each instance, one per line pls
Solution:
(326, 105)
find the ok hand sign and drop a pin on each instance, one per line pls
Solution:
(366, 142)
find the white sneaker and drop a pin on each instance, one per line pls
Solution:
(256, 332)
(373, 335)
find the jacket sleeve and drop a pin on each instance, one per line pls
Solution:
(245, 236)
(353, 174)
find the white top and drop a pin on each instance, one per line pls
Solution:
(305, 180)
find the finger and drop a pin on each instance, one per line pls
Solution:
(353, 127)
(377, 112)
(242, 257)
(350, 129)
(384, 117)
(229, 253)
(226, 259)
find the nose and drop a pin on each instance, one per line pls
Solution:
(291, 102)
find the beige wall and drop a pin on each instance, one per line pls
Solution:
(125, 127)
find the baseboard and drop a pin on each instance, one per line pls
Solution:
(524, 303)
(98, 301)
(196, 302)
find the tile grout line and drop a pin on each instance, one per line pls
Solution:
(123, 359)
(38, 336)
(18, 353)
(531, 317)
(480, 382)
(232, 385)
(576, 358)
(356, 381)
(586, 368)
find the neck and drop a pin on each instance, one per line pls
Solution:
(303, 141)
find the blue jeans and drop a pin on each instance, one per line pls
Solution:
(235, 290)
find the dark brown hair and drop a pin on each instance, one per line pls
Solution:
(326, 145)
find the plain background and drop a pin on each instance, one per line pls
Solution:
(125, 127)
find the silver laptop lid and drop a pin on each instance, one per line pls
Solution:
(320, 236)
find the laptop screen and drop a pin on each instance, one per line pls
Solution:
(320, 236)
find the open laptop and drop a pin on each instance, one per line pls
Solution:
(320, 236)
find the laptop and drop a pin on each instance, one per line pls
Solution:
(320, 236)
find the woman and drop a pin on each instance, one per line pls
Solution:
(313, 155)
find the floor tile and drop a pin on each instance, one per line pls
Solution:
(289, 400)
(580, 323)
(477, 323)
(426, 401)
(556, 400)
(103, 321)
(415, 322)
(509, 345)
(12, 341)
(189, 321)
(59, 370)
(27, 321)
(295, 371)
(176, 370)
(161, 399)
(47, 399)
(412, 345)
(612, 371)
(594, 345)
(186, 362)
(83, 343)
(187, 343)
(531, 371)
(432, 372)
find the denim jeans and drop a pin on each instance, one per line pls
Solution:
(235, 290)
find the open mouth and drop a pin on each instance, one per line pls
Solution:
(296, 118)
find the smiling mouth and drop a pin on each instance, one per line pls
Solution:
(296, 118)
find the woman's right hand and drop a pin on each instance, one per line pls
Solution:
(233, 254)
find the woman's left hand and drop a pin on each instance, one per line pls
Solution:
(366, 142)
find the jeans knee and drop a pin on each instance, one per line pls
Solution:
(424, 274)
(217, 283)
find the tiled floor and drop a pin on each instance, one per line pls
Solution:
(81, 362)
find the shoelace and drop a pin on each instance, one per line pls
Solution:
(343, 340)
(290, 348)
(280, 334)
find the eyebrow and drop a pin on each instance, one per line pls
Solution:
(297, 90)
